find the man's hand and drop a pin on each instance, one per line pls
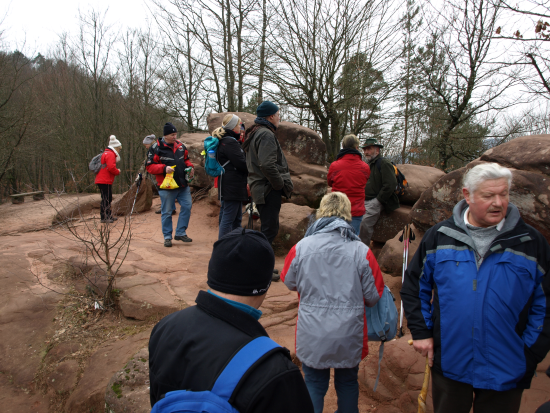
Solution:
(169, 170)
(426, 348)
(192, 173)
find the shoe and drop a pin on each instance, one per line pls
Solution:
(167, 242)
(174, 212)
(276, 271)
(275, 277)
(114, 218)
(158, 211)
(183, 238)
(107, 221)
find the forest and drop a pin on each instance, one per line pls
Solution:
(437, 82)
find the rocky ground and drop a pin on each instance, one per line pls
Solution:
(59, 354)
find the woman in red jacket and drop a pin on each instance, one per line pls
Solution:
(349, 174)
(105, 177)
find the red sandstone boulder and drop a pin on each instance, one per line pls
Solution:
(143, 201)
(419, 179)
(390, 258)
(391, 223)
(294, 220)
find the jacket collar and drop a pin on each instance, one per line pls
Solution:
(176, 146)
(373, 160)
(512, 217)
(348, 151)
(218, 308)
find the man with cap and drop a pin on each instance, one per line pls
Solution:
(268, 173)
(380, 188)
(188, 349)
(165, 156)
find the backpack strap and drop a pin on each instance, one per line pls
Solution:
(240, 363)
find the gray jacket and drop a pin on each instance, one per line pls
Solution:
(335, 279)
(267, 166)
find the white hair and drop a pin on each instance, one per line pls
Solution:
(484, 172)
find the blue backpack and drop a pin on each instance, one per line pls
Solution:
(382, 323)
(217, 399)
(211, 165)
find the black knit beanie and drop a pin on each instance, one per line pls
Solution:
(266, 109)
(169, 129)
(242, 263)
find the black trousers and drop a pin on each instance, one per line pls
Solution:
(450, 396)
(269, 215)
(106, 199)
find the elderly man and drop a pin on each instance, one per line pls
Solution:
(189, 349)
(477, 299)
(268, 173)
(380, 189)
(170, 155)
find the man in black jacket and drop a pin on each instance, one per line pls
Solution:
(189, 349)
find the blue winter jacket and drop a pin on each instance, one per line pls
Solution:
(491, 326)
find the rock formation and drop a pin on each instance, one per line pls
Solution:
(419, 179)
(390, 258)
(144, 199)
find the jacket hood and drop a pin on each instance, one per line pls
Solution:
(348, 151)
(512, 217)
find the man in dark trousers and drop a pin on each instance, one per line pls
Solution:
(477, 299)
(268, 173)
(189, 348)
(380, 189)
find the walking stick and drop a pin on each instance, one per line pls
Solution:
(405, 238)
(424, 392)
(138, 185)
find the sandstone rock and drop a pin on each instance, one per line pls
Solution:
(530, 192)
(419, 178)
(152, 300)
(76, 208)
(389, 224)
(528, 153)
(89, 394)
(390, 259)
(213, 197)
(60, 351)
(308, 190)
(128, 389)
(64, 377)
(144, 200)
(294, 220)
(294, 139)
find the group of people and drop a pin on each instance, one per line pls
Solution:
(476, 293)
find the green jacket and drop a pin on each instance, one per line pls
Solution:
(267, 166)
(382, 183)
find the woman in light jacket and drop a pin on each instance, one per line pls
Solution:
(105, 177)
(232, 190)
(335, 275)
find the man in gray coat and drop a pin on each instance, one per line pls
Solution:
(268, 174)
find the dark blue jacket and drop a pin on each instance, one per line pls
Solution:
(491, 326)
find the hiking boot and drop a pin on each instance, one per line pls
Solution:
(275, 277)
(107, 221)
(167, 242)
(183, 238)
(114, 218)
(158, 211)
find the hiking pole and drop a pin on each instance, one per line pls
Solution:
(405, 238)
(138, 185)
(423, 395)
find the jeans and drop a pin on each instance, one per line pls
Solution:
(345, 382)
(168, 198)
(106, 199)
(269, 214)
(373, 208)
(231, 214)
(356, 223)
(451, 396)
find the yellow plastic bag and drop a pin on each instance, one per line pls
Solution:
(169, 182)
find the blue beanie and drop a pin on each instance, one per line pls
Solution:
(266, 109)
(169, 129)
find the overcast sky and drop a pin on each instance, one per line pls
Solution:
(37, 24)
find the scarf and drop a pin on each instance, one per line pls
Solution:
(347, 151)
(265, 122)
(230, 133)
(116, 153)
(258, 123)
(324, 225)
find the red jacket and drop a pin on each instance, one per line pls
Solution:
(108, 171)
(161, 155)
(349, 174)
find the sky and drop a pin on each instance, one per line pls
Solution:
(34, 26)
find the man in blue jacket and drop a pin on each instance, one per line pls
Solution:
(477, 299)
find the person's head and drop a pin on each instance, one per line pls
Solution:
(486, 189)
(170, 133)
(371, 148)
(114, 143)
(229, 122)
(335, 204)
(241, 266)
(350, 142)
(269, 111)
(148, 141)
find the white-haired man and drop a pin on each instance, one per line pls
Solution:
(477, 299)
